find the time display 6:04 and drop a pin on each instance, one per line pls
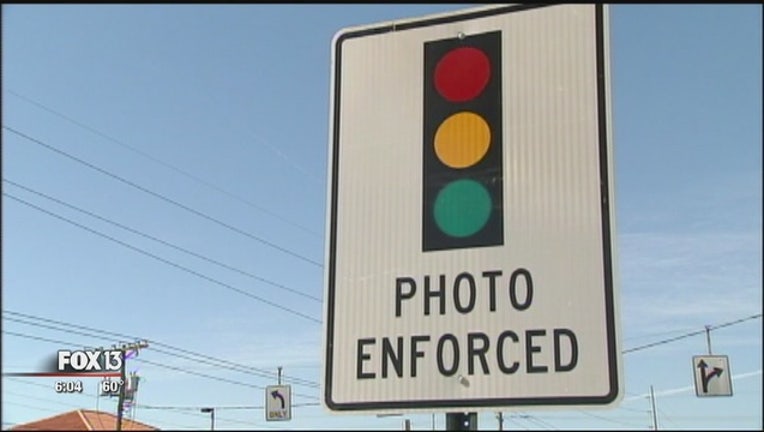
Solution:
(68, 386)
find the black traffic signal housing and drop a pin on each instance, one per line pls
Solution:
(462, 205)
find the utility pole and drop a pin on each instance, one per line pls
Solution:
(121, 402)
(121, 398)
(652, 404)
(279, 376)
(708, 338)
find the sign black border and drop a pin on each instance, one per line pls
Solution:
(606, 231)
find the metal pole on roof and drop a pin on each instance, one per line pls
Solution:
(212, 416)
(652, 408)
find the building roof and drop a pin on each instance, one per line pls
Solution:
(83, 420)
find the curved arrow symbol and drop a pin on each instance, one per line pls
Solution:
(705, 378)
(276, 395)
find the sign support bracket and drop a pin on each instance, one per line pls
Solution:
(461, 421)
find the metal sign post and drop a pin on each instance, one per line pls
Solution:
(461, 421)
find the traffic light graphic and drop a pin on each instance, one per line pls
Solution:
(462, 164)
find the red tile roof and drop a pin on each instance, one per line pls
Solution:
(83, 420)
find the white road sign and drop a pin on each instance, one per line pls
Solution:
(471, 254)
(278, 403)
(712, 375)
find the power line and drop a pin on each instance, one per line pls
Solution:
(137, 405)
(154, 343)
(238, 366)
(243, 407)
(686, 335)
(166, 261)
(641, 411)
(38, 338)
(605, 418)
(47, 400)
(513, 418)
(164, 366)
(308, 383)
(528, 418)
(71, 405)
(154, 349)
(665, 417)
(190, 410)
(679, 390)
(164, 198)
(29, 406)
(6, 392)
(285, 157)
(656, 334)
(638, 348)
(225, 419)
(525, 420)
(135, 231)
(33, 383)
(537, 421)
(186, 412)
(201, 374)
(167, 165)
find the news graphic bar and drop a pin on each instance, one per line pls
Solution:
(63, 374)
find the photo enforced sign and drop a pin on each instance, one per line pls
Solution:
(470, 214)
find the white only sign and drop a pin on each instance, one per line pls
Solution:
(471, 254)
(278, 403)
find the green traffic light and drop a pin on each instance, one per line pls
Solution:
(462, 208)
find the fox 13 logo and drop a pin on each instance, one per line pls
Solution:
(89, 361)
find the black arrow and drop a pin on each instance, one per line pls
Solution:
(277, 395)
(704, 379)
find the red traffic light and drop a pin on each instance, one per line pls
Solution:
(462, 74)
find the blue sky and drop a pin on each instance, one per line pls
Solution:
(224, 110)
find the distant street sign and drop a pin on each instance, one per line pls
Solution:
(471, 225)
(712, 375)
(278, 403)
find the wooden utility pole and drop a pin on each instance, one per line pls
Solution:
(121, 402)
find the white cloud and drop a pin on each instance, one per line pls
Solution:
(689, 278)
(686, 389)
